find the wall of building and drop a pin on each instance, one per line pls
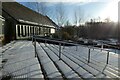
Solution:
(9, 30)
(1, 30)
(26, 31)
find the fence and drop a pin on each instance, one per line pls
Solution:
(34, 38)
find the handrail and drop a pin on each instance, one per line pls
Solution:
(70, 43)
(63, 42)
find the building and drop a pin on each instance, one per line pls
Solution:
(1, 26)
(1, 29)
(22, 22)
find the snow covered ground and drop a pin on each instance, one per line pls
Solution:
(18, 60)
(96, 55)
(21, 61)
(97, 66)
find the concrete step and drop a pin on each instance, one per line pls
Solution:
(85, 66)
(50, 69)
(108, 73)
(65, 69)
(97, 56)
(77, 67)
(106, 69)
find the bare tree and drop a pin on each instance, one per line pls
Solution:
(39, 7)
(60, 14)
(78, 16)
(67, 23)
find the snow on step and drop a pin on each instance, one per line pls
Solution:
(99, 66)
(97, 55)
(86, 67)
(105, 69)
(48, 65)
(75, 66)
(66, 70)
(112, 72)
(21, 62)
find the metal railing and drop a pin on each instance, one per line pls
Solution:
(34, 38)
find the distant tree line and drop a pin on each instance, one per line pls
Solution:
(102, 30)
(91, 30)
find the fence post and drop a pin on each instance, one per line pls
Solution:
(59, 51)
(45, 43)
(107, 57)
(76, 47)
(63, 45)
(115, 51)
(32, 39)
(101, 47)
(89, 55)
(35, 48)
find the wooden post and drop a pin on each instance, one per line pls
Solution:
(115, 51)
(59, 51)
(63, 45)
(35, 48)
(76, 47)
(101, 47)
(107, 58)
(89, 55)
(45, 43)
(32, 38)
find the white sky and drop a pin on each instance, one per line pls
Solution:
(64, 0)
(110, 11)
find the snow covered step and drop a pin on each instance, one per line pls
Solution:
(108, 71)
(48, 66)
(93, 69)
(99, 67)
(105, 69)
(98, 56)
(86, 67)
(81, 71)
(65, 69)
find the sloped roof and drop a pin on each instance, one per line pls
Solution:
(26, 15)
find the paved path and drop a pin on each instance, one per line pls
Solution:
(20, 61)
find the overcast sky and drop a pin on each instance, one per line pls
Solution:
(90, 8)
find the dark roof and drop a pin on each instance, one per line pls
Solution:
(26, 15)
